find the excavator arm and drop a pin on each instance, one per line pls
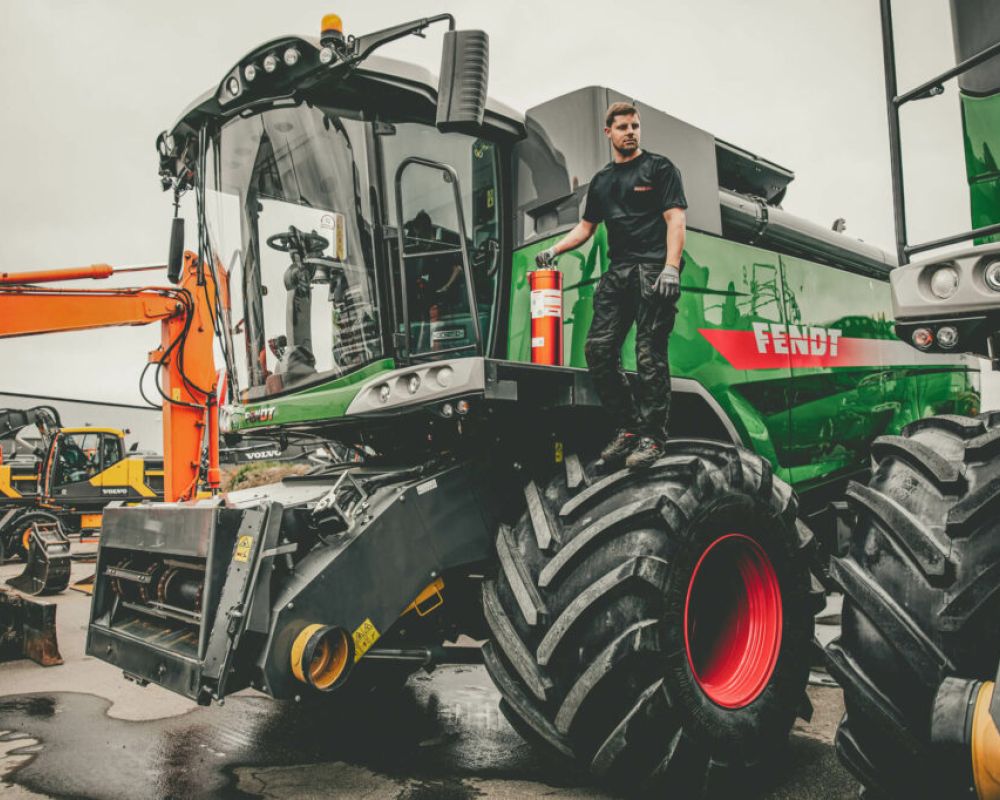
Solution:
(184, 360)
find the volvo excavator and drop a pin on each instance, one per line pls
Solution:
(77, 472)
(69, 474)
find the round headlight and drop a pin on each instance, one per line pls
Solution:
(447, 410)
(992, 276)
(291, 56)
(383, 393)
(947, 336)
(413, 384)
(249, 72)
(462, 407)
(270, 62)
(923, 338)
(944, 282)
(233, 86)
(326, 55)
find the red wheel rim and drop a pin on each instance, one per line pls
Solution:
(732, 621)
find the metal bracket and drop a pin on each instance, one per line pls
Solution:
(334, 501)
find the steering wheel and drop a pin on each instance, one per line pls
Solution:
(305, 244)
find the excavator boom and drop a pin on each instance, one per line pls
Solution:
(184, 360)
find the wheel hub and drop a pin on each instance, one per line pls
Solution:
(733, 620)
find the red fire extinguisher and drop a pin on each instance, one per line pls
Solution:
(546, 316)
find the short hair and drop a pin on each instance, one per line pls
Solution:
(618, 110)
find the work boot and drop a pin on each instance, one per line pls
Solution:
(624, 443)
(646, 454)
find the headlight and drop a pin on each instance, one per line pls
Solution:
(270, 62)
(947, 336)
(413, 384)
(249, 72)
(944, 282)
(923, 338)
(233, 85)
(383, 393)
(291, 56)
(992, 276)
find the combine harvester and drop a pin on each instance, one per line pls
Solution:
(656, 626)
(919, 653)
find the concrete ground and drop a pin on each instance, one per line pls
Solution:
(81, 730)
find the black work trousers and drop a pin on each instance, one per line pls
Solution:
(625, 295)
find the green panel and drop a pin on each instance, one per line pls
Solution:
(326, 401)
(811, 421)
(981, 124)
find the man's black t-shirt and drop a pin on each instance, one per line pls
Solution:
(630, 199)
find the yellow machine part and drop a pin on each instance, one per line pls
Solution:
(6, 483)
(428, 600)
(130, 472)
(986, 747)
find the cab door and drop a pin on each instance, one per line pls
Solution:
(443, 209)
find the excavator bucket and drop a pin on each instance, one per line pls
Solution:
(28, 629)
(47, 570)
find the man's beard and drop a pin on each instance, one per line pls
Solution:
(627, 149)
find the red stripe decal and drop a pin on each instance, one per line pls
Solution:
(774, 346)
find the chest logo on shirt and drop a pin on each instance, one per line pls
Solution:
(642, 189)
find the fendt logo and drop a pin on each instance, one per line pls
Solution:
(802, 340)
(776, 345)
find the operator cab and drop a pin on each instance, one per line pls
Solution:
(353, 228)
(77, 456)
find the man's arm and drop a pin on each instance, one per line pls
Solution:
(583, 230)
(676, 228)
(668, 282)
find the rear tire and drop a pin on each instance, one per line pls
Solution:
(921, 588)
(606, 609)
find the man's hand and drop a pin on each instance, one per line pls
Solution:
(546, 258)
(668, 283)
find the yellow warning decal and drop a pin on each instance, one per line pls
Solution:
(559, 452)
(243, 548)
(364, 637)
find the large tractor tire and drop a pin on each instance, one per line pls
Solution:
(921, 588)
(656, 626)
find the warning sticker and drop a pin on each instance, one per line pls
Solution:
(364, 637)
(546, 303)
(243, 547)
(538, 341)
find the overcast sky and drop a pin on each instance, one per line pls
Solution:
(87, 85)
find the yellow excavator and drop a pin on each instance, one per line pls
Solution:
(68, 475)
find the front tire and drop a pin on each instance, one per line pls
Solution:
(657, 625)
(921, 598)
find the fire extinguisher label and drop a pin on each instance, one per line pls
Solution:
(538, 341)
(546, 303)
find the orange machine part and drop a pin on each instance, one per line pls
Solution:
(190, 422)
(546, 316)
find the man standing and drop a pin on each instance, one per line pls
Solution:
(640, 198)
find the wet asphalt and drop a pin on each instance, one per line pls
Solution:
(81, 731)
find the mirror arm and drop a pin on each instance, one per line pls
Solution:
(364, 45)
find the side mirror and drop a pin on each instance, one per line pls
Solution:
(134, 447)
(465, 72)
(175, 261)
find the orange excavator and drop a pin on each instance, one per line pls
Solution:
(185, 377)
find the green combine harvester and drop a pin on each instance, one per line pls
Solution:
(919, 653)
(376, 227)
